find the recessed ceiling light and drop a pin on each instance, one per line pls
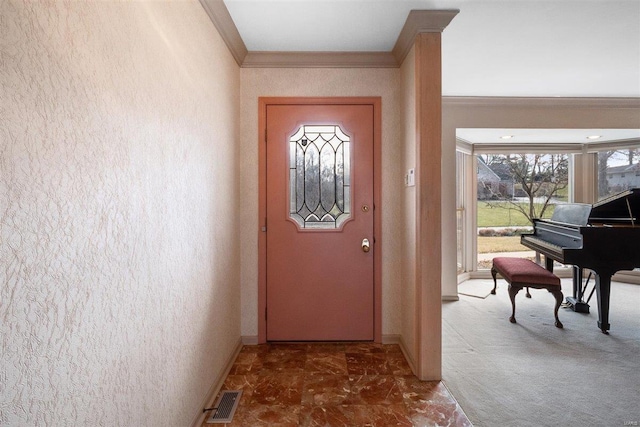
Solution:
(506, 137)
(594, 136)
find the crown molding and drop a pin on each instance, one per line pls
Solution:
(537, 102)
(418, 21)
(544, 147)
(219, 15)
(319, 60)
(528, 147)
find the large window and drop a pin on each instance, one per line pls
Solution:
(507, 190)
(512, 191)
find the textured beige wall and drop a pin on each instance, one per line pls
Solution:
(119, 298)
(408, 284)
(324, 82)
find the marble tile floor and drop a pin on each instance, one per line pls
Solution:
(335, 384)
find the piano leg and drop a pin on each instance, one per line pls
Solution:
(603, 291)
(577, 303)
(548, 262)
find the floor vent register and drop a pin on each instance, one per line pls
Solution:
(225, 407)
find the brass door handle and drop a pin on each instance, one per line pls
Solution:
(365, 245)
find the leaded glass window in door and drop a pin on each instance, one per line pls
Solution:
(319, 177)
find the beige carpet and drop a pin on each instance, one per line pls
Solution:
(534, 374)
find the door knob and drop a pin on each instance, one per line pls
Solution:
(365, 245)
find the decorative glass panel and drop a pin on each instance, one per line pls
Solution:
(319, 177)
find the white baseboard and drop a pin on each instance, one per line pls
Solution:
(391, 339)
(463, 277)
(397, 339)
(250, 339)
(410, 361)
(632, 277)
(217, 385)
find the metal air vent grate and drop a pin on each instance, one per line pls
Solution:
(225, 407)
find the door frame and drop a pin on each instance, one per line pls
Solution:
(263, 102)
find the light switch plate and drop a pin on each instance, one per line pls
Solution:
(410, 178)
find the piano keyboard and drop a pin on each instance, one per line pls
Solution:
(542, 244)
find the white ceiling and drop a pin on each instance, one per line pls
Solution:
(549, 48)
(522, 48)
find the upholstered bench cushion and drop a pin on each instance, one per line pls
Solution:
(520, 270)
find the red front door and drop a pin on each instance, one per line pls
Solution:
(320, 222)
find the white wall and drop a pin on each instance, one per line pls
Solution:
(323, 82)
(120, 297)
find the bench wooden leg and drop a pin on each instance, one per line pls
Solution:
(557, 293)
(494, 272)
(513, 290)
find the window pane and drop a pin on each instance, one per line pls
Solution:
(319, 176)
(618, 170)
(513, 190)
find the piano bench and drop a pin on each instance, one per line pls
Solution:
(521, 273)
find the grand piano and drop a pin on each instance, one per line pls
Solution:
(604, 238)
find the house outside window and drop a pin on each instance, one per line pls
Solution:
(618, 170)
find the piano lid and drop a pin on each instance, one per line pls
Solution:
(623, 207)
(572, 213)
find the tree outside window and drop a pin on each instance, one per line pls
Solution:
(513, 190)
(529, 184)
